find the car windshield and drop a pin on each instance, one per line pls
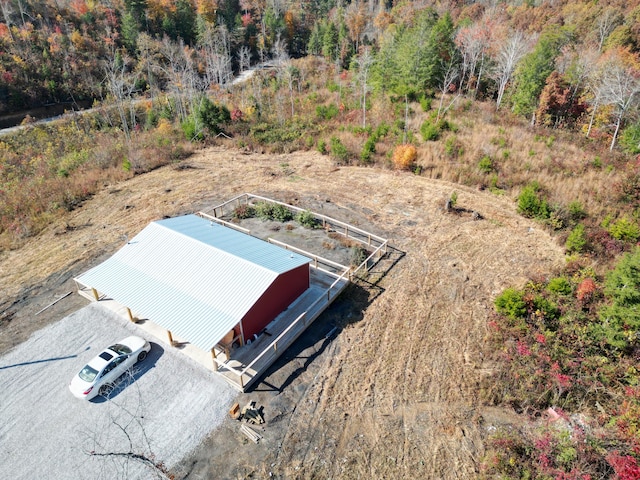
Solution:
(120, 349)
(88, 374)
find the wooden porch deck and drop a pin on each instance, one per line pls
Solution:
(247, 363)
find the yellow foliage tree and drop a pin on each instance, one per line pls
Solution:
(404, 157)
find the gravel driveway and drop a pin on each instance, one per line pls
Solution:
(160, 413)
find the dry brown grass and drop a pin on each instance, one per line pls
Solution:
(398, 393)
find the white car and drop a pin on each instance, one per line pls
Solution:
(100, 374)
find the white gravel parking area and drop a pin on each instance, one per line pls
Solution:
(156, 416)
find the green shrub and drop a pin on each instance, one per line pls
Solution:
(630, 139)
(425, 103)
(577, 240)
(559, 286)
(511, 303)
(381, 131)
(545, 307)
(327, 112)
(264, 210)
(191, 130)
(368, 149)
(281, 137)
(338, 151)
(281, 213)
(429, 131)
(531, 205)
(273, 211)
(322, 147)
(624, 229)
(452, 147)
(307, 219)
(453, 199)
(72, 161)
(576, 211)
(485, 164)
(212, 116)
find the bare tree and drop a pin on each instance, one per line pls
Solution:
(607, 22)
(121, 83)
(450, 73)
(620, 85)
(244, 58)
(279, 52)
(215, 47)
(364, 63)
(473, 43)
(508, 53)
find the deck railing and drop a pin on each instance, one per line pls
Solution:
(274, 344)
(342, 273)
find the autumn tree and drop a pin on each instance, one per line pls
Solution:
(557, 105)
(356, 19)
(507, 54)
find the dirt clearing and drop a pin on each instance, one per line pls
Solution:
(395, 394)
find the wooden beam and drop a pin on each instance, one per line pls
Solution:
(215, 364)
(170, 337)
(131, 317)
(241, 334)
(95, 294)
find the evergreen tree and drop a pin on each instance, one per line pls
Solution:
(314, 47)
(620, 320)
(185, 21)
(129, 30)
(330, 42)
(534, 69)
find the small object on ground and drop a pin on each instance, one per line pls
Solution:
(235, 411)
(252, 414)
(54, 302)
(250, 433)
(331, 332)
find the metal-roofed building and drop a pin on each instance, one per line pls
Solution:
(200, 280)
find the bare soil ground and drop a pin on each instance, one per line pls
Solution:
(395, 392)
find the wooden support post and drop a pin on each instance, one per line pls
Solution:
(241, 335)
(95, 294)
(170, 337)
(215, 364)
(131, 317)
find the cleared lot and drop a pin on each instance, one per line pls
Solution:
(157, 415)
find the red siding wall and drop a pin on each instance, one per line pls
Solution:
(282, 292)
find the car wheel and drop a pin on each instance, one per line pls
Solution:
(105, 390)
(142, 355)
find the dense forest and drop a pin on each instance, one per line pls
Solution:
(537, 100)
(563, 64)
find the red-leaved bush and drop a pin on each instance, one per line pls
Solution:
(625, 466)
(585, 290)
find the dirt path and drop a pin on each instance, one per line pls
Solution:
(395, 395)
